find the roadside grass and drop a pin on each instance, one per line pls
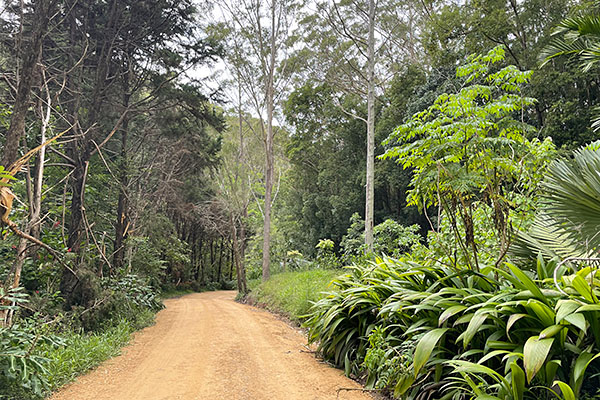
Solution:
(72, 353)
(84, 351)
(292, 293)
(171, 294)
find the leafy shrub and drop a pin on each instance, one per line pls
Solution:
(115, 300)
(494, 334)
(296, 261)
(136, 291)
(22, 368)
(389, 238)
(470, 151)
(326, 257)
(384, 363)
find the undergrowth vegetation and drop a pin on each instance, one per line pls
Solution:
(293, 293)
(38, 355)
(437, 331)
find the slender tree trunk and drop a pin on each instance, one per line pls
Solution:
(38, 177)
(212, 258)
(201, 260)
(220, 260)
(122, 223)
(192, 244)
(370, 189)
(231, 260)
(269, 167)
(35, 205)
(239, 245)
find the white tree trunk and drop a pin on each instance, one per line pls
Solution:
(370, 190)
(269, 158)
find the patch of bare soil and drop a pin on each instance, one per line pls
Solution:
(206, 346)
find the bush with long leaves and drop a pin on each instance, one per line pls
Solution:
(489, 335)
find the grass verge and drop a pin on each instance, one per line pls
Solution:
(172, 294)
(82, 352)
(71, 353)
(292, 293)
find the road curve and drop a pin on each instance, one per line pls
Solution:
(205, 346)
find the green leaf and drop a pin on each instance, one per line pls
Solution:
(583, 361)
(589, 307)
(577, 320)
(551, 368)
(583, 289)
(527, 283)
(425, 348)
(461, 366)
(518, 381)
(511, 321)
(564, 308)
(535, 353)
(551, 331)
(542, 311)
(473, 327)
(403, 385)
(565, 389)
(449, 312)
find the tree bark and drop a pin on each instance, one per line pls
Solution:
(269, 158)
(220, 260)
(370, 188)
(34, 193)
(239, 246)
(122, 223)
(231, 260)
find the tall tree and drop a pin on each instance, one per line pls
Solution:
(140, 49)
(341, 48)
(370, 188)
(455, 30)
(261, 36)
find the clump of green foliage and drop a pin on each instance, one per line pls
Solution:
(389, 238)
(472, 158)
(39, 355)
(493, 333)
(22, 368)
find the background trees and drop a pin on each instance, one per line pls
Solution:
(116, 76)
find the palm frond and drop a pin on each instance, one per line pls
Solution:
(569, 225)
(572, 194)
(559, 47)
(581, 25)
(547, 237)
(596, 118)
(578, 36)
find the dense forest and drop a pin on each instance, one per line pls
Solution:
(445, 150)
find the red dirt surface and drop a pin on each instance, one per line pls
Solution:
(206, 346)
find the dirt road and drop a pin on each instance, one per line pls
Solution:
(206, 346)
